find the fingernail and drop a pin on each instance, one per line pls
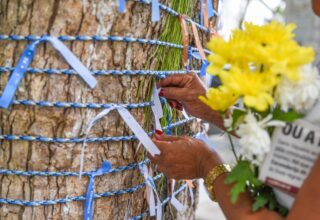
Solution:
(171, 104)
(161, 92)
(159, 132)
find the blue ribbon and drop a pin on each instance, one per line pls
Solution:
(122, 6)
(195, 55)
(210, 8)
(155, 10)
(88, 209)
(201, 12)
(204, 66)
(26, 59)
(18, 74)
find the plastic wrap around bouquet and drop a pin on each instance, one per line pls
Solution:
(270, 77)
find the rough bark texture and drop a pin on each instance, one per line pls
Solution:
(73, 17)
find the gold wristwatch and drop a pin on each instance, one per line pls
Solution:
(212, 176)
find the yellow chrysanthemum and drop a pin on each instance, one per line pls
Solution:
(270, 46)
(256, 58)
(268, 34)
(288, 58)
(255, 87)
(219, 99)
(235, 53)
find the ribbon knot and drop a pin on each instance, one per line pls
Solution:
(88, 210)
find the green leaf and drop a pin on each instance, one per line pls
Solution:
(241, 175)
(289, 116)
(260, 202)
(237, 115)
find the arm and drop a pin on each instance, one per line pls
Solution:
(189, 158)
(242, 208)
(307, 203)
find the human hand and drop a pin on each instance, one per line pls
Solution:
(184, 91)
(184, 157)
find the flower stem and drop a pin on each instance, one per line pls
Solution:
(232, 147)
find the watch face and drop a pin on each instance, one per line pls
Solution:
(316, 7)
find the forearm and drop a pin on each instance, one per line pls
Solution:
(215, 118)
(239, 210)
(242, 208)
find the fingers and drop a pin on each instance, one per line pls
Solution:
(163, 142)
(175, 93)
(173, 80)
(178, 80)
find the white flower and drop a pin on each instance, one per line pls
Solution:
(227, 122)
(301, 95)
(254, 139)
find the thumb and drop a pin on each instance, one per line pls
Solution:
(174, 93)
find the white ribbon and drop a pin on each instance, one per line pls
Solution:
(156, 107)
(73, 61)
(151, 190)
(186, 116)
(132, 124)
(191, 194)
(174, 201)
(190, 186)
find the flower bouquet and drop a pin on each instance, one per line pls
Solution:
(270, 78)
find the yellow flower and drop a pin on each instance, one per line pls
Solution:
(268, 34)
(253, 61)
(288, 58)
(219, 99)
(270, 45)
(235, 53)
(255, 87)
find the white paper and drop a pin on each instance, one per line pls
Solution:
(295, 148)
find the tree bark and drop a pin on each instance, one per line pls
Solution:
(75, 17)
